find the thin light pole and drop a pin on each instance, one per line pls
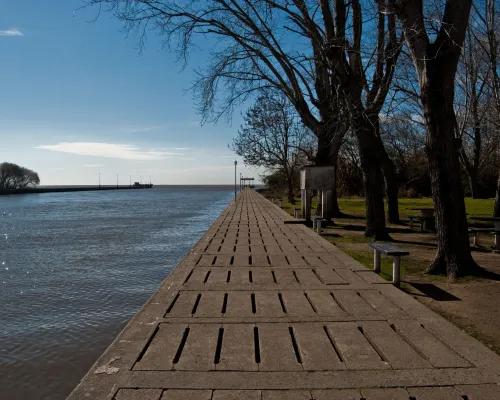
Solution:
(99, 180)
(130, 176)
(116, 180)
(235, 163)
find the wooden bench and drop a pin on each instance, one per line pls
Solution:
(477, 231)
(388, 250)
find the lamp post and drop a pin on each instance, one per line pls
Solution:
(235, 163)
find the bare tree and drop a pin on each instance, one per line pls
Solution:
(272, 137)
(310, 52)
(436, 64)
(405, 142)
(487, 32)
(12, 177)
(471, 85)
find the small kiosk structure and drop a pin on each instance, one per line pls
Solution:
(246, 182)
(320, 179)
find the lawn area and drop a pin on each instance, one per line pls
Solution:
(347, 234)
(355, 206)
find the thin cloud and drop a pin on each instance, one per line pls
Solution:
(11, 32)
(207, 167)
(93, 165)
(170, 148)
(109, 150)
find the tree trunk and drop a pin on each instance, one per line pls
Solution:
(289, 183)
(474, 184)
(453, 255)
(472, 174)
(389, 170)
(334, 198)
(496, 211)
(372, 178)
(472, 168)
(374, 196)
(328, 154)
(392, 189)
(334, 157)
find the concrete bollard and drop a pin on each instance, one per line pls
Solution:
(396, 270)
(280, 203)
(318, 225)
(296, 213)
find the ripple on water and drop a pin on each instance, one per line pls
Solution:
(76, 267)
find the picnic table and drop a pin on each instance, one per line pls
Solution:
(495, 229)
(426, 216)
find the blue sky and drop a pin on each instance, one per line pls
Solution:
(78, 100)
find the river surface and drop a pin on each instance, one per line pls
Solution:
(75, 267)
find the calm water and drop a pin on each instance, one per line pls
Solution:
(75, 267)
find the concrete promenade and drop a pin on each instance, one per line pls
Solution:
(260, 310)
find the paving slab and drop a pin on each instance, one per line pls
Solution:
(264, 310)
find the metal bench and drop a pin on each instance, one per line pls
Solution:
(317, 220)
(477, 231)
(388, 250)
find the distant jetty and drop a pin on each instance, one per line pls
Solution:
(61, 189)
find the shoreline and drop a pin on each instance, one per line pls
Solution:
(69, 189)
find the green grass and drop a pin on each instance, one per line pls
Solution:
(355, 206)
(474, 207)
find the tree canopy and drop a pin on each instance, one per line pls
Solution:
(13, 176)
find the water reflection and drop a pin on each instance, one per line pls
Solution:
(76, 266)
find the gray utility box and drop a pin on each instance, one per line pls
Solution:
(316, 178)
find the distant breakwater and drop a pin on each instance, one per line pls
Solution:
(5, 192)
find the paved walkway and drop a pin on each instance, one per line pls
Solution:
(263, 310)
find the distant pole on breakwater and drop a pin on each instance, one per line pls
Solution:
(130, 176)
(235, 163)
(99, 180)
(116, 180)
